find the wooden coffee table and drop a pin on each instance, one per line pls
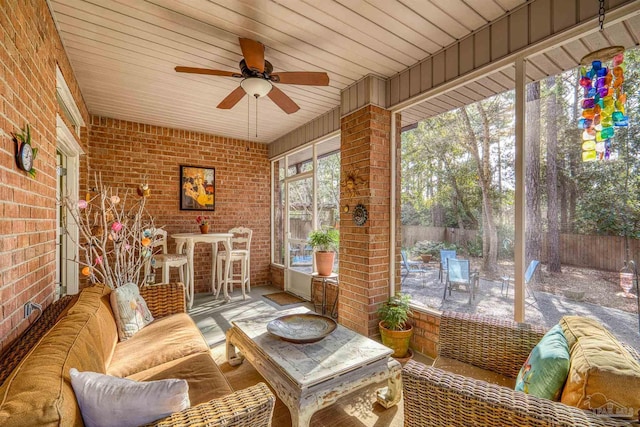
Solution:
(309, 377)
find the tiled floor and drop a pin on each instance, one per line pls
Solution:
(214, 317)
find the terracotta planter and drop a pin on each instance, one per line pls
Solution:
(426, 258)
(204, 228)
(324, 262)
(398, 341)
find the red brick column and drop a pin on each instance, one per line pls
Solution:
(364, 250)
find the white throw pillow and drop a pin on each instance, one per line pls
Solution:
(110, 401)
(130, 310)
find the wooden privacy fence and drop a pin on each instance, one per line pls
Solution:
(598, 252)
(416, 233)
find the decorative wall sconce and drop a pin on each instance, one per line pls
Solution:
(350, 184)
(360, 214)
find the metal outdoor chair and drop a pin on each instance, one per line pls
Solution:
(459, 273)
(444, 255)
(529, 275)
(411, 267)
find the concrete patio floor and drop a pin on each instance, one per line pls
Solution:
(426, 289)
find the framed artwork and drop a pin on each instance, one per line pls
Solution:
(197, 188)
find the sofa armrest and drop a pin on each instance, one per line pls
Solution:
(11, 356)
(435, 397)
(250, 407)
(489, 343)
(164, 299)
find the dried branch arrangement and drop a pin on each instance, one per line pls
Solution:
(115, 239)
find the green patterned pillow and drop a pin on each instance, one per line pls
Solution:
(130, 310)
(547, 367)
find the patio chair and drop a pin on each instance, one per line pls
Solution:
(444, 255)
(411, 267)
(529, 275)
(459, 273)
(164, 259)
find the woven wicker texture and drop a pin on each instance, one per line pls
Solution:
(497, 345)
(11, 357)
(250, 407)
(435, 397)
(164, 299)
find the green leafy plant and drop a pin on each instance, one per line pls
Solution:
(324, 240)
(395, 312)
(427, 247)
(24, 137)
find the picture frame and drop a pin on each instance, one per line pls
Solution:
(197, 188)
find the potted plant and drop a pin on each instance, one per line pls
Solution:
(394, 329)
(325, 243)
(429, 250)
(203, 223)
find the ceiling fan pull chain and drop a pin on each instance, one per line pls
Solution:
(248, 116)
(256, 116)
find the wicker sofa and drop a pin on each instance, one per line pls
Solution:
(81, 333)
(471, 381)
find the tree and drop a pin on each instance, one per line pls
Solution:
(533, 230)
(553, 234)
(482, 157)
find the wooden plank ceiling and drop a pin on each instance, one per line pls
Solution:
(123, 53)
(565, 57)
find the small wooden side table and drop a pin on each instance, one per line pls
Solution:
(332, 279)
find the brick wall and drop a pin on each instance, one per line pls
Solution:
(277, 276)
(426, 327)
(126, 153)
(364, 251)
(29, 51)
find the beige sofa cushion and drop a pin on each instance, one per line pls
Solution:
(96, 300)
(163, 340)
(467, 370)
(38, 391)
(575, 327)
(603, 377)
(205, 380)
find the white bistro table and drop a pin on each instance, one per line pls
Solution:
(309, 377)
(190, 239)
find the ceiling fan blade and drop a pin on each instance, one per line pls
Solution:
(301, 78)
(283, 101)
(207, 71)
(253, 53)
(232, 99)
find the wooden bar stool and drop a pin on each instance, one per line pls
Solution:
(240, 252)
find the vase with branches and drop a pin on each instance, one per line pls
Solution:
(116, 235)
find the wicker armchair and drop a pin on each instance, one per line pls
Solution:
(435, 397)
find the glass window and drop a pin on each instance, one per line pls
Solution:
(278, 211)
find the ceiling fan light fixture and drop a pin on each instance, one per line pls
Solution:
(255, 86)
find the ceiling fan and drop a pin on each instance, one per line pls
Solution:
(258, 78)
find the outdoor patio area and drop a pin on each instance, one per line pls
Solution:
(426, 289)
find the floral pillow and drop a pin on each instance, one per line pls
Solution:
(130, 310)
(545, 370)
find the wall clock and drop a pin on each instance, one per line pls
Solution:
(25, 157)
(360, 214)
(25, 153)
